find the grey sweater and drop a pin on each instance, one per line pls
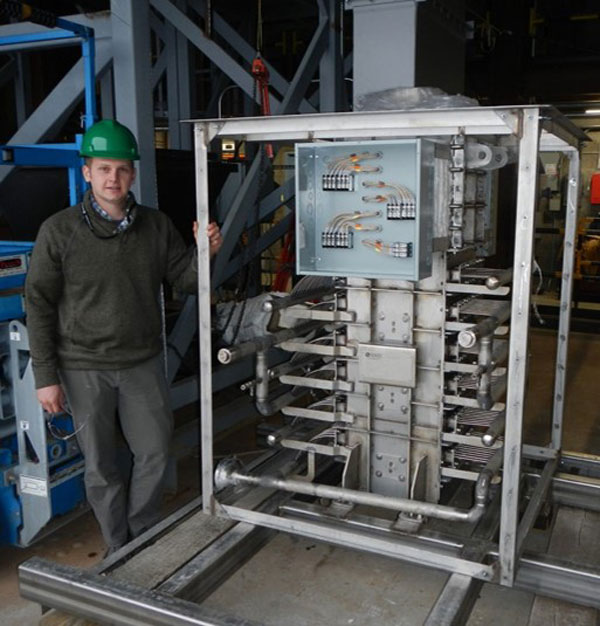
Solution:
(93, 303)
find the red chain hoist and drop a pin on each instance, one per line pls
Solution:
(261, 76)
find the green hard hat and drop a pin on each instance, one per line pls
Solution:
(110, 140)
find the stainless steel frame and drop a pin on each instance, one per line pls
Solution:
(530, 129)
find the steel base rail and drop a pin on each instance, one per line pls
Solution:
(563, 580)
(386, 546)
(110, 601)
(456, 601)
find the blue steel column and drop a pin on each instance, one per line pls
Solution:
(107, 95)
(178, 85)
(133, 93)
(22, 88)
(88, 52)
(331, 72)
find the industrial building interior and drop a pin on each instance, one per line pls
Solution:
(384, 390)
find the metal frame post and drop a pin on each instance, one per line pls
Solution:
(204, 318)
(566, 293)
(517, 360)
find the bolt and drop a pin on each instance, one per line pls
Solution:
(380, 406)
(405, 338)
(404, 390)
(406, 317)
(378, 474)
(382, 316)
(402, 460)
(404, 410)
(381, 336)
(379, 457)
(401, 478)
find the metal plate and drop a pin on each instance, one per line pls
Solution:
(387, 365)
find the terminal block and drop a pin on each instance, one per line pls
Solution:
(401, 210)
(336, 239)
(401, 250)
(338, 182)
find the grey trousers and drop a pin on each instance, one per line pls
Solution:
(140, 396)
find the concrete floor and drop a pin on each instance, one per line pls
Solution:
(318, 584)
(301, 578)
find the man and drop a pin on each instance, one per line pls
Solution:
(94, 321)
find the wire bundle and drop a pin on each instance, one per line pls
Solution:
(339, 171)
(396, 249)
(401, 203)
(337, 233)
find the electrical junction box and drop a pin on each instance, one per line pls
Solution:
(365, 208)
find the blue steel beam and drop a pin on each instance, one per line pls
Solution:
(54, 155)
(27, 38)
(307, 68)
(58, 105)
(209, 48)
(277, 198)
(275, 233)
(248, 52)
(159, 68)
(235, 222)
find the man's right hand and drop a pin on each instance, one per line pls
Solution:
(52, 398)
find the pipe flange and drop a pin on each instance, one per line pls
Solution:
(224, 472)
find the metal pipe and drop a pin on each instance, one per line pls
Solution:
(291, 365)
(484, 385)
(268, 405)
(229, 472)
(282, 303)
(493, 282)
(276, 437)
(261, 376)
(468, 338)
(495, 429)
(235, 353)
